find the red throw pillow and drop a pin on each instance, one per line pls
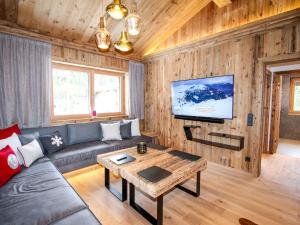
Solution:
(9, 164)
(7, 132)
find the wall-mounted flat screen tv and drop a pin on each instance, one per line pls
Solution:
(210, 97)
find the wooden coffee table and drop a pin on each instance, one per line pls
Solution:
(182, 170)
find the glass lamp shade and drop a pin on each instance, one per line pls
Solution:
(103, 37)
(133, 24)
(124, 45)
(116, 10)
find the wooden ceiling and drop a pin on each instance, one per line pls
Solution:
(77, 20)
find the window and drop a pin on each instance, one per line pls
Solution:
(77, 91)
(107, 93)
(70, 92)
(295, 96)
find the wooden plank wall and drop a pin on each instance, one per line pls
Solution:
(238, 56)
(75, 56)
(212, 20)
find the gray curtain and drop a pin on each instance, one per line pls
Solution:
(136, 90)
(25, 68)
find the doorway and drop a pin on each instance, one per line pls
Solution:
(281, 124)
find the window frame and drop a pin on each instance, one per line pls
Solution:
(91, 73)
(292, 95)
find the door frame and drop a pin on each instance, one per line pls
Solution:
(262, 65)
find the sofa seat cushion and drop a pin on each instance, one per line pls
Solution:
(79, 152)
(83, 217)
(37, 196)
(128, 143)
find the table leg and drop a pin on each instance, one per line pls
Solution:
(143, 212)
(121, 196)
(197, 193)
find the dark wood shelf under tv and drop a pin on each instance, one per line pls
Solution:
(189, 136)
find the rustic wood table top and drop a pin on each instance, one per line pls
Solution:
(181, 169)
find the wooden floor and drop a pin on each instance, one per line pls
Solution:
(283, 170)
(226, 195)
(289, 147)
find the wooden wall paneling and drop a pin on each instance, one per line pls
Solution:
(273, 43)
(167, 102)
(74, 56)
(239, 56)
(288, 42)
(160, 100)
(177, 123)
(296, 37)
(213, 20)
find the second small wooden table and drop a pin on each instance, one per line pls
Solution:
(181, 169)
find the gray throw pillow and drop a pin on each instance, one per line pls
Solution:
(125, 130)
(53, 142)
(27, 138)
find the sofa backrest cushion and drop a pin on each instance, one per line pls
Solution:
(62, 129)
(84, 132)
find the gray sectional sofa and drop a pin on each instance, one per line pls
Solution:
(82, 144)
(40, 195)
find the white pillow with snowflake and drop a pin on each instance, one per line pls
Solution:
(53, 142)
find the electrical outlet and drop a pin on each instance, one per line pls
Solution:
(224, 160)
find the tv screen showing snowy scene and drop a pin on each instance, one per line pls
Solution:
(207, 97)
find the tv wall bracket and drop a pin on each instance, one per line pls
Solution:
(189, 136)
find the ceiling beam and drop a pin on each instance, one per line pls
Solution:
(14, 29)
(222, 3)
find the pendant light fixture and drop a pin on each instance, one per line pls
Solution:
(116, 10)
(103, 37)
(133, 21)
(124, 45)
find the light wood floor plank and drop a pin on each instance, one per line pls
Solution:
(226, 195)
